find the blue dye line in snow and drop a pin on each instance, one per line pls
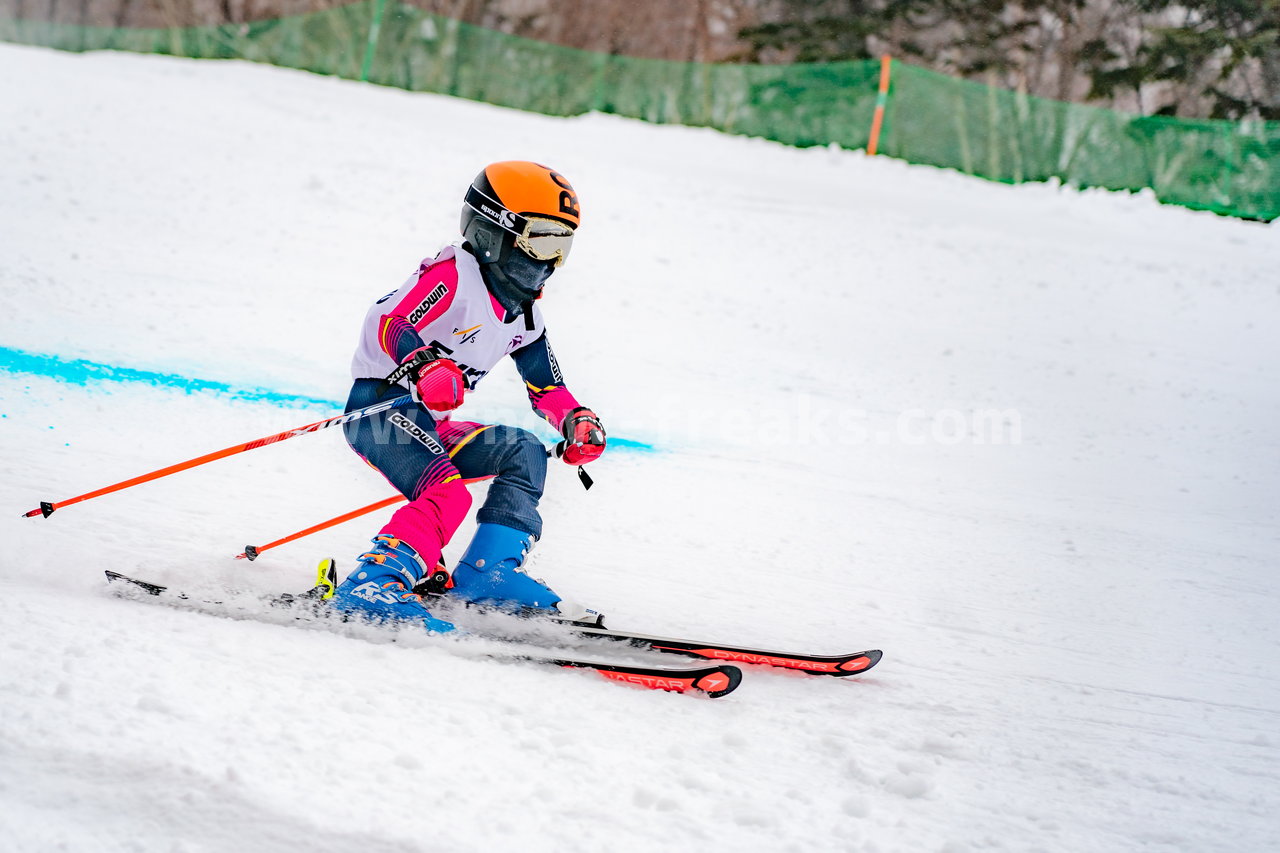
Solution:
(81, 371)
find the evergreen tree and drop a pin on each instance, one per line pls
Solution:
(1227, 51)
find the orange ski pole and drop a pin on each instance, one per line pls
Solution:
(46, 508)
(882, 99)
(251, 552)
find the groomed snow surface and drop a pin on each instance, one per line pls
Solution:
(1021, 438)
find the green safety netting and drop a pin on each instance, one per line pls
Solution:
(1224, 166)
(1227, 167)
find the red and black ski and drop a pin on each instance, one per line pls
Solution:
(713, 681)
(851, 663)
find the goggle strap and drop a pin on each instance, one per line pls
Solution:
(493, 211)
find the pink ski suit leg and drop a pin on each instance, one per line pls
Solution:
(429, 521)
(404, 446)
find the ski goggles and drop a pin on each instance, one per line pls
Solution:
(538, 237)
(546, 239)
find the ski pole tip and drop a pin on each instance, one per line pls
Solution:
(46, 509)
(250, 553)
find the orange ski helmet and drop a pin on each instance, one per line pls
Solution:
(523, 205)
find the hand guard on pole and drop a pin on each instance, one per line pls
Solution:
(584, 437)
(441, 385)
(438, 383)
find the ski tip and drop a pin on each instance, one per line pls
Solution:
(720, 681)
(859, 663)
(149, 588)
(711, 681)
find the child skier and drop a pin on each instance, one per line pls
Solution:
(438, 335)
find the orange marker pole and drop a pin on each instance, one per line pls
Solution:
(46, 508)
(251, 552)
(882, 100)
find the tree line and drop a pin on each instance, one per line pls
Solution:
(1206, 58)
(1197, 58)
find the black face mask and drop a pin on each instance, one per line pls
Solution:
(517, 280)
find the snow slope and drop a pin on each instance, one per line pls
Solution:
(1021, 438)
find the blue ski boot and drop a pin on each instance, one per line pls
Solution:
(381, 586)
(489, 572)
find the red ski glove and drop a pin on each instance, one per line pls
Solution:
(583, 437)
(440, 385)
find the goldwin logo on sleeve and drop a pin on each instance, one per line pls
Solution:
(432, 298)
